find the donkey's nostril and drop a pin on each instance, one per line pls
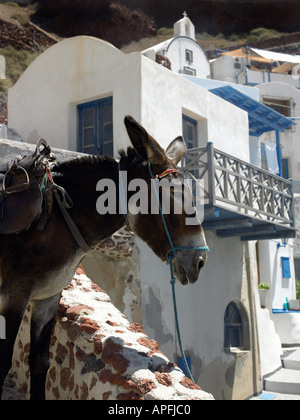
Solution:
(201, 263)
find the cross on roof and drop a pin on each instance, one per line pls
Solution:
(184, 14)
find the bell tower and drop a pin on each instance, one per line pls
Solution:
(184, 27)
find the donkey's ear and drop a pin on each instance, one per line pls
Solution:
(143, 143)
(176, 150)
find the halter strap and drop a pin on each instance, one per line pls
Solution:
(171, 253)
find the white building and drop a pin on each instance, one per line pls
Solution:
(252, 66)
(276, 76)
(182, 51)
(76, 95)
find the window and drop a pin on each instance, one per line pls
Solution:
(189, 56)
(283, 106)
(189, 71)
(286, 267)
(236, 328)
(190, 132)
(237, 66)
(96, 127)
(285, 168)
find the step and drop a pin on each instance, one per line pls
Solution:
(291, 360)
(274, 396)
(284, 381)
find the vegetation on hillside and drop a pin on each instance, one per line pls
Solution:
(16, 63)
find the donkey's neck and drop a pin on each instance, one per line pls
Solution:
(81, 184)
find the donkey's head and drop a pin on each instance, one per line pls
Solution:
(153, 160)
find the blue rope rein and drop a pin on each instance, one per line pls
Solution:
(170, 256)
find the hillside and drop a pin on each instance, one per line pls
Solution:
(129, 20)
(129, 25)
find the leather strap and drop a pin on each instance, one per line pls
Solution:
(63, 203)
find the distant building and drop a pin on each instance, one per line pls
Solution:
(182, 53)
(277, 78)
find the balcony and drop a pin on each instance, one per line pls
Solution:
(256, 77)
(241, 199)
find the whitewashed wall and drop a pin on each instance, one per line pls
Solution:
(176, 53)
(43, 102)
(77, 70)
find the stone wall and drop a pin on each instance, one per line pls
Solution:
(97, 354)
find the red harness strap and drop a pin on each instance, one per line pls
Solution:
(166, 173)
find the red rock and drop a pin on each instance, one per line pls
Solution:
(145, 386)
(27, 348)
(73, 313)
(129, 396)
(61, 352)
(80, 270)
(52, 374)
(166, 367)
(112, 323)
(97, 288)
(84, 392)
(89, 326)
(65, 375)
(98, 347)
(163, 378)
(72, 356)
(151, 344)
(137, 328)
(93, 383)
(187, 383)
(73, 331)
(71, 383)
(56, 393)
(81, 355)
(106, 375)
(106, 395)
(112, 354)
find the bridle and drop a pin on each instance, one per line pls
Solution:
(171, 253)
(170, 256)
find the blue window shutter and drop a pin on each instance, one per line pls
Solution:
(96, 127)
(286, 267)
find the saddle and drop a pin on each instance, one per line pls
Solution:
(24, 192)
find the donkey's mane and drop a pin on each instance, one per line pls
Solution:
(87, 163)
(92, 163)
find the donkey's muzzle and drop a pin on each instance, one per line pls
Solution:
(187, 266)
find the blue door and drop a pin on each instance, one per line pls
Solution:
(190, 135)
(190, 132)
(96, 127)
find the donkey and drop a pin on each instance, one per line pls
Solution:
(35, 266)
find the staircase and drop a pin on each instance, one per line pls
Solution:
(287, 379)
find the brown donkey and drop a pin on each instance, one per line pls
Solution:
(36, 266)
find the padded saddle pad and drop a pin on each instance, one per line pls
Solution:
(21, 209)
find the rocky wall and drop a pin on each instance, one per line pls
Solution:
(96, 354)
